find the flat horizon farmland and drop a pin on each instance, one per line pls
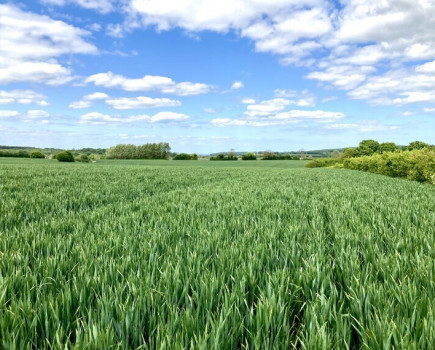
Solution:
(213, 255)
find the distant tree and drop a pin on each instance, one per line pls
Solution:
(37, 154)
(65, 156)
(367, 148)
(232, 155)
(249, 156)
(268, 155)
(121, 151)
(418, 145)
(349, 153)
(83, 158)
(336, 154)
(185, 156)
(388, 147)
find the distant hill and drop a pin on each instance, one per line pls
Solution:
(49, 151)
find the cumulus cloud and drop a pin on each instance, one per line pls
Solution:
(8, 114)
(346, 46)
(86, 101)
(248, 101)
(22, 97)
(148, 83)
(283, 118)
(96, 118)
(32, 42)
(80, 104)
(96, 96)
(366, 126)
(237, 85)
(103, 6)
(34, 115)
(141, 102)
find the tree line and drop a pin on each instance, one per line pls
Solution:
(159, 150)
(414, 162)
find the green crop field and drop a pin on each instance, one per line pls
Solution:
(213, 255)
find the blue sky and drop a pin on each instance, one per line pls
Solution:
(208, 76)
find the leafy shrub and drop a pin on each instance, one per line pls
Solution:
(65, 156)
(185, 156)
(418, 165)
(323, 162)
(17, 154)
(83, 158)
(249, 156)
(37, 154)
(222, 156)
(267, 155)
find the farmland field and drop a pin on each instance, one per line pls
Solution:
(213, 255)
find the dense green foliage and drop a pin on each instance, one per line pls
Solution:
(267, 155)
(249, 156)
(416, 165)
(323, 162)
(386, 159)
(65, 156)
(83, 158)
(223, 156)
(185, 156)
(37, 154)
(415, 145)
(214, 255)
(159, 150)
(14, 154)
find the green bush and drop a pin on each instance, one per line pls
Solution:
(418, 165)
(37, 154)
(83, 158)
(323, 162)
(17, 154)
(65, 156)
(249, 156)
(185, 156)
(222, 156)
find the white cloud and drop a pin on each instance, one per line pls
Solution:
(34, 115)
(96, 118)
(282, 118)
(237, 85)
(8, 114)
(80, 104)
(148, 83)
(277, 26)
(37, 114)
(22, 97)
(329, 99)
(115, 30)
(346, 44)
(103, 6)
(96, 96)
(429, 110)
(31, 43)
(269, 107)
(141, 102)
(302, 99)
(86, 101)
(367, 126)
(210, 110)
(248, 101)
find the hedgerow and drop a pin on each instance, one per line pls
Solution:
(418, 165)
